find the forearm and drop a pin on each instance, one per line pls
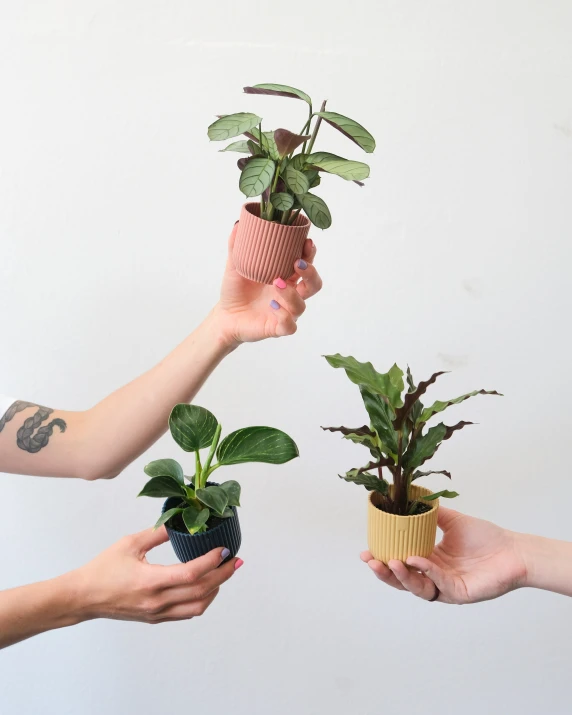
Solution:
(548, 563)
(39, 607)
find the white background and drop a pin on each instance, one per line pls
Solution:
(114, 215)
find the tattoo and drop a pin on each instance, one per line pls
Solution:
(29, 437)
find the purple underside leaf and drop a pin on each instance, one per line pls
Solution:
(418, 474)
(359, 183)
(362, 431)
(412, 397)
(287, 141)
(273, 92)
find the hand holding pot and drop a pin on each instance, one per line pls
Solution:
(249, 311)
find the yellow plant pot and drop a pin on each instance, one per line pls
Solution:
(398, 537)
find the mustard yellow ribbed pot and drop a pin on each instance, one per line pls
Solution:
(398, 537)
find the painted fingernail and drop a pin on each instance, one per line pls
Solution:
(235, 223)
(302, 265)
(279, 283)
(225, 553)
(274, 305)
(238, 564)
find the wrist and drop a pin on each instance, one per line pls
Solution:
(67, 601)
(219, 325)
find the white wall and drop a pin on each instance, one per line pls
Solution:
(114, 214)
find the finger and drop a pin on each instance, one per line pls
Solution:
(185, 611)
(414, 582)
(366, 556)
(384, 574)
(289, 298)
(203, 587)
(309, 251)
(284, 323)
(146, 540)
(431, 570)
(446, 517)
(192, 571)
(311, 282)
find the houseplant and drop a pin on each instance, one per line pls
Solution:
(200, 514)
(281, 168)
(402, 516)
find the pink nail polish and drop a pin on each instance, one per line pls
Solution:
(280, 283)
(238, 564)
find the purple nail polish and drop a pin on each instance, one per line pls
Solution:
(225, 553)
(274, 305)
(302, 265)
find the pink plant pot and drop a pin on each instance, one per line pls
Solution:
(263, 250)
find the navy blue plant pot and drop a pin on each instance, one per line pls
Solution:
(190, 546)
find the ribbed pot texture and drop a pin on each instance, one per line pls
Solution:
(398, 537)
(188, 547)
(264, 250)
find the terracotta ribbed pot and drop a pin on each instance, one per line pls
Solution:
(264, 250)
(398, 537)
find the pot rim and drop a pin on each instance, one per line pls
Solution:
(434, 505)
(205, 533)
(302, 221)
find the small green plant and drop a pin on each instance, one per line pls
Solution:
(279, 175)
(195, 429)
(396, 436)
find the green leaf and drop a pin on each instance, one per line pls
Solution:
(162, 487)
(165, 516)
(348, 170)
(192, 427)
(313, 178)
(240, 146)
(424, 447)
(445, 493)
(256, 176)
(287, 142)
(278, 90)
(412, 397)
(298, 162)
(381, 417)
(439, 406)
(282, 201)
(228, 513)
(232, 125)
(351, 129)
(416, 475)
(269, 145)
(388, 384)
(195, 519)
(165, 468)
(232, 490)
(257, 444)
(316, 210)
(410, 380)
(369, 481)
(359, 435)
(295, 180)
(213, 497)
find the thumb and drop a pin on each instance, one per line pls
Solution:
(192, 571)
(146, 540)
(446, 517)
(232, 236)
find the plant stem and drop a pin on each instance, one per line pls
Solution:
(262, 207)
(209, 459)
(198, 470)
(305, 129)
(270, 212)
(294, 216)
(316, 129)
(401, 493)
(285, 217)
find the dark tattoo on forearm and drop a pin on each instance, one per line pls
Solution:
(29, 437)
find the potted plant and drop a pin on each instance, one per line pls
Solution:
(281, 168)
(201, 514)
(402, 516)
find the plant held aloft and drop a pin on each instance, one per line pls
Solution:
(199, 514)
(399, 443)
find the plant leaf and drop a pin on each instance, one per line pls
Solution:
(287, 142)
(278, 90)
(381, 419)
(359, 435)
(195, 519)
(232, 125)
(445, 493)
(412, 397)
(346, 431)
(298, 162)
(257, 444)
(282, 201)
(162, 487)
(351, 129)
(369, 481)
(295, 180)
(316, 209)
(424, 447)
(418, 474)
(165, 468)
(213, 497)
(256, 176)
(439, 406)
(165, 516)
(192, 427)
(348, 170)
(388, 384)
(228, 512)
(240, 146)
(232, 490)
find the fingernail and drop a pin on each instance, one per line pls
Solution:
(238, 564)
(279, 283)
(235, 223)
(302, 265)
(225, 553)
(274, 305)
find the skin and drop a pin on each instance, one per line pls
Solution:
(100, 442)
(478, 561)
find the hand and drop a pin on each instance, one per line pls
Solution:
(475, 561)
(249, 311)
(120, 583)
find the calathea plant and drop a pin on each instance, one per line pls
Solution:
(283, 166)
(200, 504)
(397, 436)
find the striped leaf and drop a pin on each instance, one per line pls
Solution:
(232, 125)
(282, 201)
(348, 170)
(351, 129)
(278, 90)
(296, 181)
(257, 444)
(316, 209)
(192, 427)
(240, 146)
(256, 176)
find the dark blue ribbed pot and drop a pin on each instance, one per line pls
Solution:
(189, 547)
